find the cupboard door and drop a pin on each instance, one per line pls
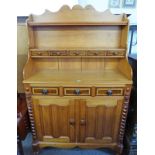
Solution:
(54, 120)
(99, 120)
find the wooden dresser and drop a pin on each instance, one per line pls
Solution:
(77, 78)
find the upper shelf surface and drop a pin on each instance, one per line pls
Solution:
(76, 23)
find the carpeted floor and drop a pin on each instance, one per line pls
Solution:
(54, 151)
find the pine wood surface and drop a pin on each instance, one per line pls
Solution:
(71, 78)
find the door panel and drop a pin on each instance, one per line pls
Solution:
(100, 120)
(44, 113)
(100, 112)
(77, 120)
(54, 119)
(108, 120)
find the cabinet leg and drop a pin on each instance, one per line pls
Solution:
(35, 148)
(35, 153)
(119, 149)
(20, 146)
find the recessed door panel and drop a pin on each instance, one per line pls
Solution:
(99, 122)
(55, 119)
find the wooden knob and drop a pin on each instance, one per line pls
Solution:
(58, 53)
(72, 121)
(95, 53)
(82, 122)
(39, 53)
(77, 53)
(114, 53)
(127, 89)
(27, 89)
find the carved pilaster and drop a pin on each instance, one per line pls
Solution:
(29, 106)
(26, 122)
(124, 113)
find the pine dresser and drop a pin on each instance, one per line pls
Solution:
(77, 78)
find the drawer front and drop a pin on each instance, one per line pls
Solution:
(77, 91)
(109, 91)
(41, 53)
(96, 53)
(45, 91)
(77, 53)
(58, 53)
(115, 53)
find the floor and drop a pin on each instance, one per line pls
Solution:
(53, 151)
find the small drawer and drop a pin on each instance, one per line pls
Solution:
(58, 53)
(39, 53)
(45, 91)
(77, 53)
(96, 53)
(77, 91)
(109, 91)
(115, 53)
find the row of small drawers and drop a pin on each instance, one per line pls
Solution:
(77, 53)
(72, 91)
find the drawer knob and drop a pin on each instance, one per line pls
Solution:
(114, 53)
(72, 121)
(77, 91)
(44, 91)
(109, 92)
(40, 53)
(58, 53)
(77, 53)
(82, 122)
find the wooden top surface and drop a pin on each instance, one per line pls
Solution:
(78, 78)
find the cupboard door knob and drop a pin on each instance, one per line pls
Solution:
(44, 91)
(109, 92)
(82, 122)
(72, 121)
